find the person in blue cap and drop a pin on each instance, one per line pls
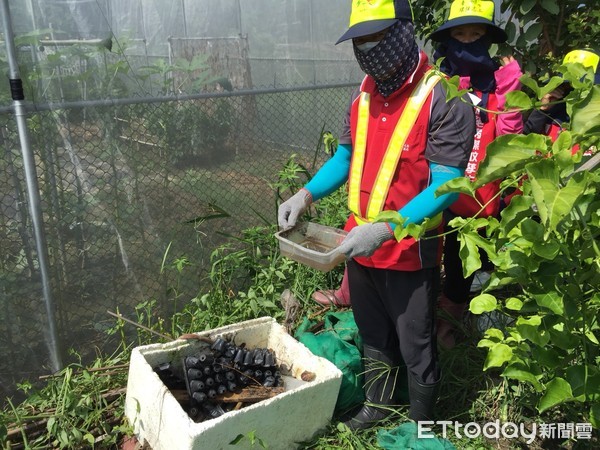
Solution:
(464, 41)
(400, 141)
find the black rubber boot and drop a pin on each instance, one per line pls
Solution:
(381, 376)
(422, 399)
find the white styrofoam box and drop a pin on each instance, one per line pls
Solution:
(281, 422)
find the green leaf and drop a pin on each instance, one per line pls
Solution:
(534, 334)
(546, 250)
(531, 230)
(531, 83)
(483, 303)
(237, 439)
(522, 374)
(518, 210)
(526, 6)
(462, 185)
(551, 6)
(495, 334)
(544, 186)
(513, 304)
(557, 391)
(518, 100)
(586, 115)
(533, 32)
(550, 300)
(584, 382)
(508, 153)
(498, 355)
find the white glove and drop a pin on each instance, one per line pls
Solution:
(291, 209)
(363, 240)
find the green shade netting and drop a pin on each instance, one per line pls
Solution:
(406, 437)
(339, 342)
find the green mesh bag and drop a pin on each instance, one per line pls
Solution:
(339, 342)
(406, 437)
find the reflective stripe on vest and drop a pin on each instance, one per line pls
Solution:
(392, 154)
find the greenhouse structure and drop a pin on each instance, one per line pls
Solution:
(136, 128)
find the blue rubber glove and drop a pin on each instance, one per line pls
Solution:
(363, 240)
(294, 207)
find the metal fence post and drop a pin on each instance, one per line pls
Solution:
(33, 193)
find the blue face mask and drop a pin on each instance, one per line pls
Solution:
(472, 60)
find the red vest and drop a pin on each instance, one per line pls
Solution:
(411, 177)
(465, 205)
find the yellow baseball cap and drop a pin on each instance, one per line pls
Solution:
(465, 12)
(372, 16)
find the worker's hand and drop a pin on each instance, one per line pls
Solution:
(365, 239)
(291, 209)
(506, 60)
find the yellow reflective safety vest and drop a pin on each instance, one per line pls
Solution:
(388, 168)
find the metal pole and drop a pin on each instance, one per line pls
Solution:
(33, 193)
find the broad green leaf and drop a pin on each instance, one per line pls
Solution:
(532, 230)
(526, 6)
(513, 304)
(546, 250)
(495, 334)
(551, 6)
(557, 391)
(518, 210)
(584, 381)
(567, 198)
(592, 337)
(544, 181)
(552, 84)
(548, 357)
(462, 185)
(483, 303)
(551, 300)
(498, 355)
(518, 100)
(563, 339)
(533, 320)
(532, 84)
(586, 115)
(509, 153)
(521, 374)
(534, 334)
(563, 142)
(470, 242)
(533, 32)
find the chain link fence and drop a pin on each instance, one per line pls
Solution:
(123, 182)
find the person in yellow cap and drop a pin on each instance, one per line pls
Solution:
(552, 114)
(463, 42)
(400, 141)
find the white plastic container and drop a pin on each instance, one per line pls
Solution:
(281, 422)
(312, 244)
